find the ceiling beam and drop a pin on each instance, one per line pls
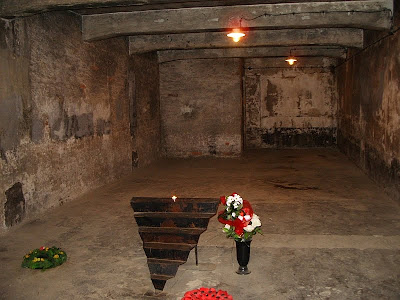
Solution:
(368, 14)
(18, 8)
(154, 5)
(257, 64)
(171, 55)
(341, 37)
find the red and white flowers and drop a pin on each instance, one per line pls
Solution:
(241, 223)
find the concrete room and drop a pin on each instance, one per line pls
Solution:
(105, 100)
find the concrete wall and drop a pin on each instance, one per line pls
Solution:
(64, 121)
(145, 108)
(369, 109)
(288, 107)
(201, 107)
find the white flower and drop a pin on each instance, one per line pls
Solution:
(247, 217)
(240, 218)
(255, 221)
(237, 198)
(249, 228)
(227, 226)
(233, 214)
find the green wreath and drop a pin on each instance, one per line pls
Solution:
(44, 258)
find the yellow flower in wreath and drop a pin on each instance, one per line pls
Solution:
(56, 256)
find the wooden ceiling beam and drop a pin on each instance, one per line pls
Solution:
(376, 15)
(310, 51)
(342, 37)
(18, 8)
(257, 64)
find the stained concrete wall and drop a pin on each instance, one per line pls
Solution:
(288, 107)
(145, 108)
(201, 107)
(369, 108)
(64, 121)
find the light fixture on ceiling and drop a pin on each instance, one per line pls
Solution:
(291, 59)
(236, 34)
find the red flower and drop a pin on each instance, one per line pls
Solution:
(239, 225)
(247, 208)
(42, 248)
(207, 294)
(223, 200)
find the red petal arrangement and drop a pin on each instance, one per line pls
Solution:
(241, 223)
(207, 294)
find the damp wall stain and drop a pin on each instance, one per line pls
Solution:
(289, 107)
(369, 111)
(299, 137)
(65, 105)
(271, 99)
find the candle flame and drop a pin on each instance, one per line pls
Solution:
(174, 198)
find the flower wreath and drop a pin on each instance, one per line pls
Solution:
(44, 258)
(207, 294)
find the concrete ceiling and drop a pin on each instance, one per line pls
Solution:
(181, 29)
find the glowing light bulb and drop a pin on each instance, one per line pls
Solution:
(291, 60)
(174, 198)
(236, 35)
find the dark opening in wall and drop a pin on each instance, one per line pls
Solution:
(14, 208)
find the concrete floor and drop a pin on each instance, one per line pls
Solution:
(329, 233)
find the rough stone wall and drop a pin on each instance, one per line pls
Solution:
(288, 107)
(64, 122)
(201, 107)
(369, 109)
(145, 108)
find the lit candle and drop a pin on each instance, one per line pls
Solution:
(174, 197)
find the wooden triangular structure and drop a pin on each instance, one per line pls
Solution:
(170, 230)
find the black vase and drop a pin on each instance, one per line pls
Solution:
(243, 257)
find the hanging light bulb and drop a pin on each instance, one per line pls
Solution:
(237, 33)
(291, 59)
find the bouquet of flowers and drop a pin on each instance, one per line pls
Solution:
(241, 223)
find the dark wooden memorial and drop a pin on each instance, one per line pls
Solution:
(170, 230)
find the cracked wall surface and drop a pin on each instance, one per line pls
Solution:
(64, 117)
